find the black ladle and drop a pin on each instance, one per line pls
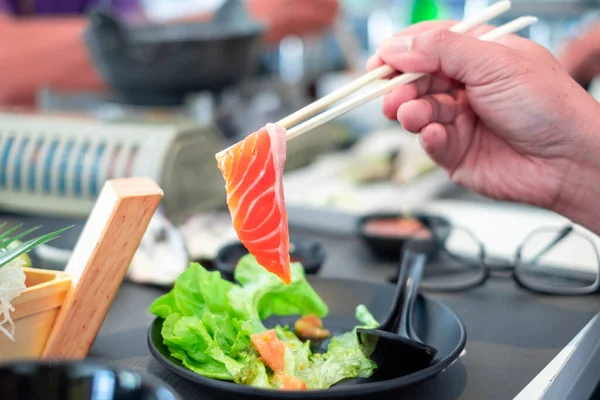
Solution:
(393, 344)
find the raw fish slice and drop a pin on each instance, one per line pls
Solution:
(253, 171)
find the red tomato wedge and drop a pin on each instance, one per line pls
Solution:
(253, 173)
(272, 351)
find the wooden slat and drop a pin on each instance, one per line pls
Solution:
(45, 290)
(100, 261)
(31, 333)
(35, 312)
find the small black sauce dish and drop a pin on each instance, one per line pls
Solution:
(309, 253)
(385, 233)
(75, 380)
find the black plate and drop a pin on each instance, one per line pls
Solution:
(78, 380)
(434, 322)
(387, 247)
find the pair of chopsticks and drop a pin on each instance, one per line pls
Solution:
(462, 27)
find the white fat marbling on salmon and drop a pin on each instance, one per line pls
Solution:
(278, 135)
(238, 179)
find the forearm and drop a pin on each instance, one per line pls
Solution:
(580, 198)
(37, 52)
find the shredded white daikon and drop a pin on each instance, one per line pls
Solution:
(12, 285)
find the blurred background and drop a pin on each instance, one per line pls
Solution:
(94, 90)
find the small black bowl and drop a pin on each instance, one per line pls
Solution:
(309, 253)
(74, 380)
(389, 246)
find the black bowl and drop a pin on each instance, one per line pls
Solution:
(389, 247)
(309, 253)
(72, 380)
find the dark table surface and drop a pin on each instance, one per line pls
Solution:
(511, 333)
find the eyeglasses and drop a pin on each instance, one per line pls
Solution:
(552, 260)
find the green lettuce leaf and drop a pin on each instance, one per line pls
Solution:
(262, 294)
(365, 317)
(195, 291)
(187, 340)
(209, 320)
(343, 359)
(298, 356)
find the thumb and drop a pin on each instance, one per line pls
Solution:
(458, 56)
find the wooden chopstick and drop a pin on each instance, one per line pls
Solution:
(506, 29)
(464, 26)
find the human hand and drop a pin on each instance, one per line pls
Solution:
(504, 119)
(294, 17)
(581, 56)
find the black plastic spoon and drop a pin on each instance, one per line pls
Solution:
(393, 345)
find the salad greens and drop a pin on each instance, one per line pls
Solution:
(209, 321)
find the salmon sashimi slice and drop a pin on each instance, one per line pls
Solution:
(272, 351)
(253, 173)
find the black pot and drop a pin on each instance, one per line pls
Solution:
(160, 64)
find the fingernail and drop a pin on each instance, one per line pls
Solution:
(398, 44)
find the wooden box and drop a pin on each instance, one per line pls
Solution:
(60, 313)
(35, 313)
